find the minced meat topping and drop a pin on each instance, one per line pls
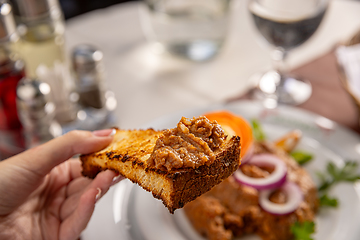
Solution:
(190, 145)
(231, 210)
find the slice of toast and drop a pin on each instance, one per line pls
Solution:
(131, 155)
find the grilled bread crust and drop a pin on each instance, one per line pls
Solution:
(130, 149)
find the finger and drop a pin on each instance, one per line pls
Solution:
(73, 195)
(70, 205)
(43, 158)
(75, 168)
(78, 185)
(76, 223)
(76, 188)
(103, 181)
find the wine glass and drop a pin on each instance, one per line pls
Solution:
(285, 24)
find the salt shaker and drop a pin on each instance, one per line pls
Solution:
(36, 112)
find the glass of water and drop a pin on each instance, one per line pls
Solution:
(285, 24)
(192, 29)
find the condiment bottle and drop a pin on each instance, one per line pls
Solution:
(11, 72)
(41, 28)
(97, 105)
(36, 112)
(89, 75)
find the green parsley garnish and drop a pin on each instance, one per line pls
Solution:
(326, 201)
(303, 231)
(334, 174)
(258, 132)
(301, 157)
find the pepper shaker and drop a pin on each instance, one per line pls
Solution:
(89, 74)
(97, 105)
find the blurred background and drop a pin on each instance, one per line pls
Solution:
(119, 59)
(73, 8)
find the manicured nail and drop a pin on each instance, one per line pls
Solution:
(116, 179)
(104, 132)
(98, 195)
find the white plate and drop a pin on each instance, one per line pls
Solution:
(145, 218)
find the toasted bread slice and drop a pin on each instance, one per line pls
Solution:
(129, 155)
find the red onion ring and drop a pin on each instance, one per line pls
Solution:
(273, 180)
(294, 198)
(248, 155)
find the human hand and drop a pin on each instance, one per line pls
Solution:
(44, 196)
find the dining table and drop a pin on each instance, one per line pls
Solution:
(149, 84)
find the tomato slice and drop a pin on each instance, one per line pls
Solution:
(234, 125)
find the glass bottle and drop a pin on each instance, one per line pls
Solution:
(41, 28)
(11, 72)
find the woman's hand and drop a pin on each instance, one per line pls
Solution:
(42, 193)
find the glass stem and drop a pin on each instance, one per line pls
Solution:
(278, 57)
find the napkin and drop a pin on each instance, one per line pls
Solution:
(349, 60)
(329, 97)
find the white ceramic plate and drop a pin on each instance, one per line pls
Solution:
(145, 218)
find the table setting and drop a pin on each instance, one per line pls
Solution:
(223, 82)
(289, 65)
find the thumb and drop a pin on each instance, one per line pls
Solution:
(41, 159)
(22, 174)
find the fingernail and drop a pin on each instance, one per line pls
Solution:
(104, 132)
(98, 195)
(116, 179)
